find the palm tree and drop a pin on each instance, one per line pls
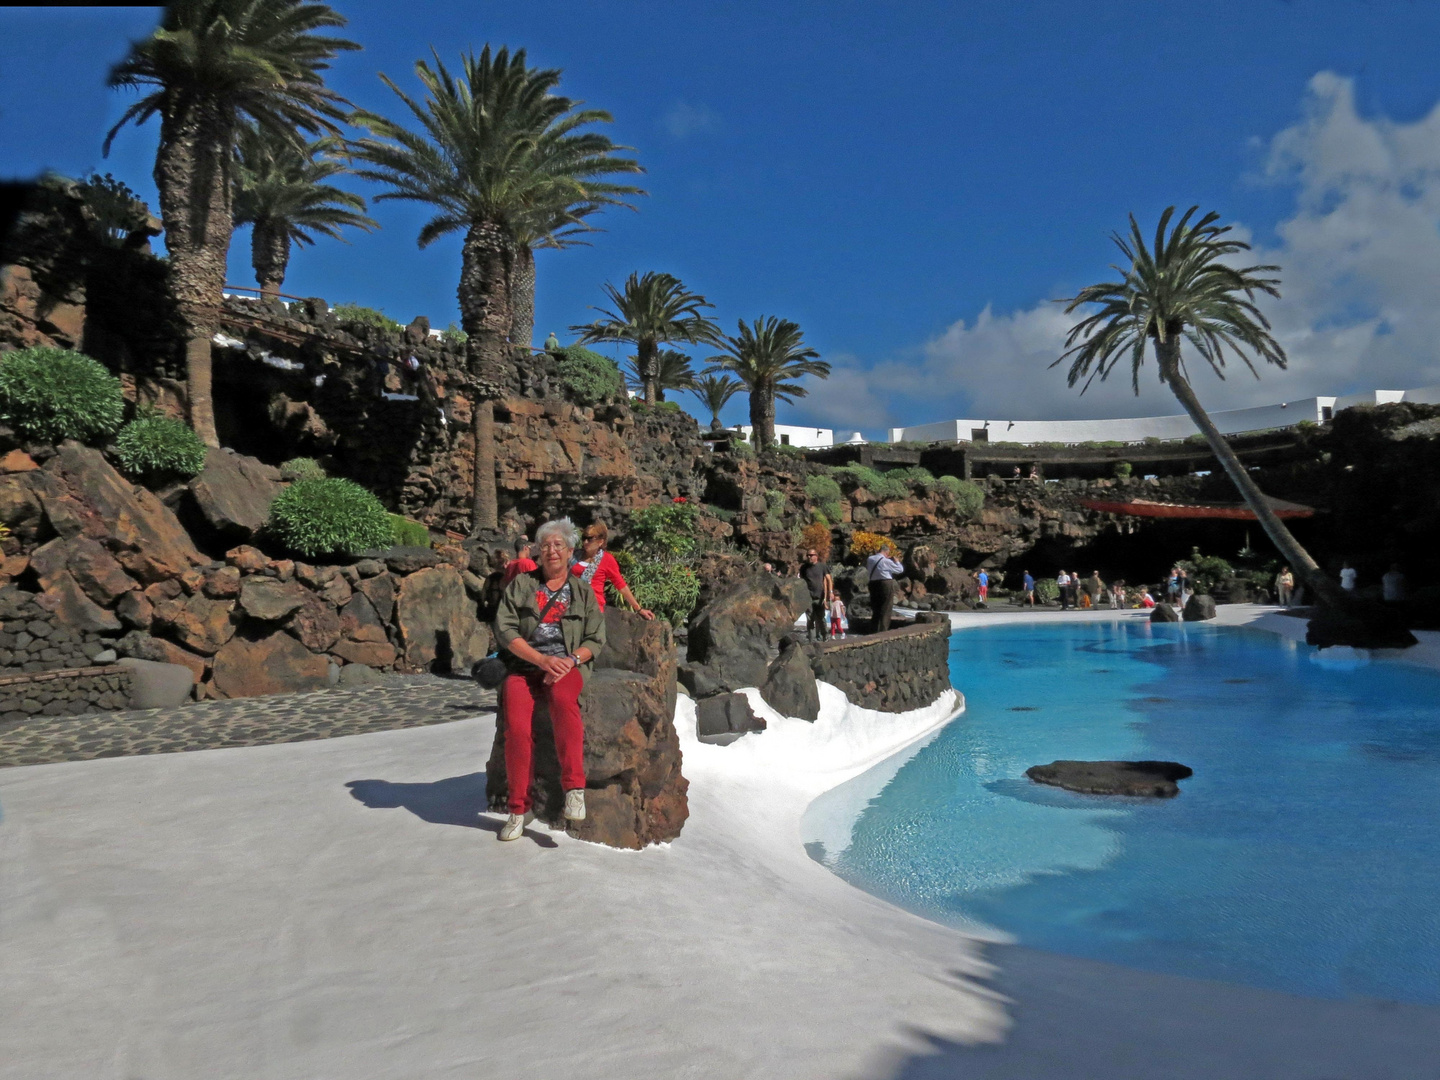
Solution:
(211, 65)
(651, 310)
(673, 372)
(715, 391)
(496, 153)
(768, 356)
(280, 190)
(1185, 290)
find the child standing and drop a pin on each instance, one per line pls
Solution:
(839, 625)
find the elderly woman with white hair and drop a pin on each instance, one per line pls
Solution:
(551, 627)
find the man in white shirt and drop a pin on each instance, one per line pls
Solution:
(883, 568)
(1062, 582)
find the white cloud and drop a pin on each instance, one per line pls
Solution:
(682, 120)
(1360, 275)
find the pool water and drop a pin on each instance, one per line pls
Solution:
(1303, 855)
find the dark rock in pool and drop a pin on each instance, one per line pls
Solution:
(1163, 613)
(1151, 779)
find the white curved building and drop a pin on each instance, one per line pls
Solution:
(1137, 429)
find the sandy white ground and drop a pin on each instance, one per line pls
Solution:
(240, 913)
(340, 909)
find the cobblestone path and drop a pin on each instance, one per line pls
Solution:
(400, 701)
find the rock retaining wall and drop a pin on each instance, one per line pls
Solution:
(894, 671)
(64, 692)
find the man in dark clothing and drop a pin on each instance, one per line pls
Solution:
(822, 591)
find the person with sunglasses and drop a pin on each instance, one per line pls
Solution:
(597, 568)
(822, 591)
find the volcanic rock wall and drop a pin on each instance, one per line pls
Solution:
(893, 671)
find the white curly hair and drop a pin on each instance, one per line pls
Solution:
(563, 527)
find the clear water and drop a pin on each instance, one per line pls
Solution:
(1304, 854)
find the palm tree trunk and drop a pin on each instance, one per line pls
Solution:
(762, 417)
(1168, 354)
(485, 266)
(269, 255)
(192, 174)
(522, 298)
(647, 359)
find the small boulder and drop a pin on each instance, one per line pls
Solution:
(96, 571)
(315, 624)
(352, 675)
(199, 623)
(134, 610)
(270, 599)
(723, 718)
(1149, 779)
(437, 622)
(71, 607)
(233, 494)
(155, 685)
(222, 583)
(1199, 608)
(380, 591)
(359, 621)
(368, 568)
(375, 654)
(790, 688)
(144, 647)
(277, 664)
(1163, 613)
(407, 560)
(249, 560)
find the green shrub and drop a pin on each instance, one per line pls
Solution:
(658, 559)
(51, 394)
(590, 377)
(741, 448)
(1123, 469)
(881, 485)
(1046, 590)
(329, 517)
(454, 335)
(407, 533)
(913, 476)
(795, 453)
(825, 493)
(303, 468)
(154, 445)
(659, 406)
(969, 497)
(1206, 572)
(775, 506)
(356, 315)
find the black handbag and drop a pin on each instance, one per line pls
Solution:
(491, 671)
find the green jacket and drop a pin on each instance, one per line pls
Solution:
(582, 625)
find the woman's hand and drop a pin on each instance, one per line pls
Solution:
(555, 667)
(645, 613)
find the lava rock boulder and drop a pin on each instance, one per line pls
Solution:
(1147, 779)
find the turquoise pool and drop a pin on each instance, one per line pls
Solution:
(1304, 854)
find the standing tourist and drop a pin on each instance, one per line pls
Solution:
(552, 629)
(982, 586)
(1392, 585)
(1284, 586)
(1347, 577)
(1028, 584)
(822, 591)
(1062, 582)
(1117, 595)
(522, 563)
(1183, 579)
(839, 624)
(598, 568)
(1172, 585)
(882, 567)
(1094, 587)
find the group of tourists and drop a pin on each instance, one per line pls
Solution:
(827, 617)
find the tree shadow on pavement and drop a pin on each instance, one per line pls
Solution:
(456, 800)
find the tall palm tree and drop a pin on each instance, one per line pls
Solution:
(280, 190)
(648, 312)
(715, 391)
(495, 152)
(1185, 290)
(210, 65)
(548, 228)
(768, 356)
(673, 372)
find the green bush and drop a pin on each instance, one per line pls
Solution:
(741, 448)
(659, 406)
(590, 377)
(1046, 590)
(969, 497)
(825, 493)
(154, 445)
(329, 517)
(454, 335)
(658, 559)
(1123, 469)
(303, 468)
(407, 533)
(51, 394)
(775, 506)
(913, 476)
(881, 485)
(1206, 572)
(356, 315)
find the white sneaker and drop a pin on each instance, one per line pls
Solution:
(515, 825)
(575, 804)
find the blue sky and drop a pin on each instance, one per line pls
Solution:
(910, 182)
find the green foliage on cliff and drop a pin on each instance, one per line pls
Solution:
(52, 394)
(357, 315)
(590, 377)
(969, 497)
(825, 493)
(454, 335)
(913, 476)
(658, 559)
(881, 485)
(775, 506)
(407, 533)
(155, 445)
(329, 517)
(303, 468)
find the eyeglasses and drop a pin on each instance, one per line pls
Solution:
(814, 554)
(555, 545)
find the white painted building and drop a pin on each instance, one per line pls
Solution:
(811, 438)
(1137, 429)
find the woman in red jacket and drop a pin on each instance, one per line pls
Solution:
(597, 567)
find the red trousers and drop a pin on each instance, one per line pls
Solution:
(518, 695)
